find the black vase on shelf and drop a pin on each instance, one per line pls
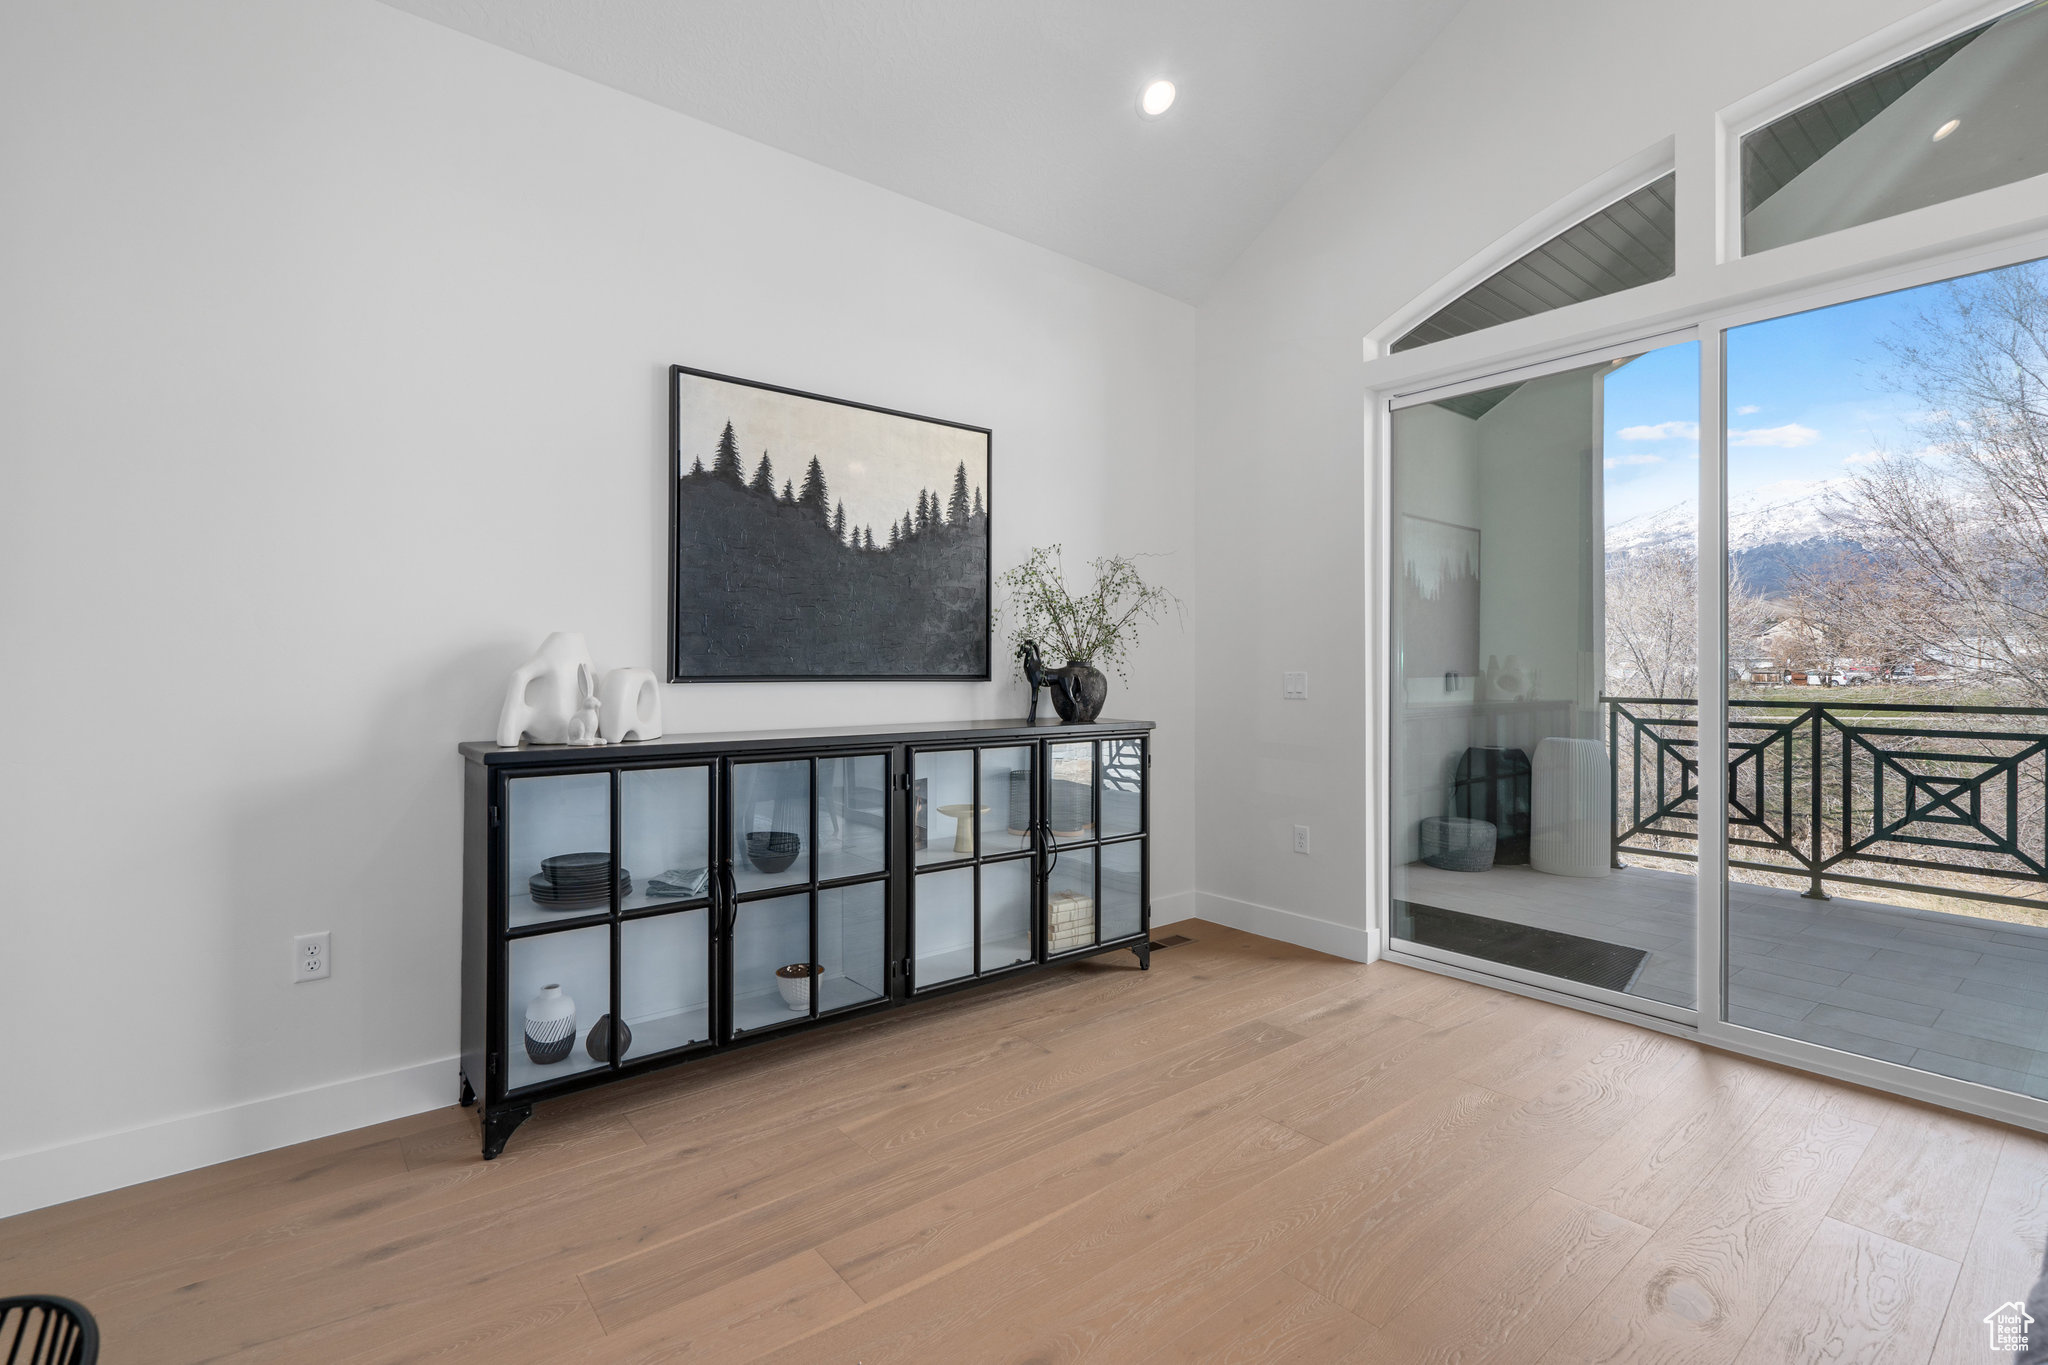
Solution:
(1080, 701)
(599, 1043)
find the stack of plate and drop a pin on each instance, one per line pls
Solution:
(576, 881)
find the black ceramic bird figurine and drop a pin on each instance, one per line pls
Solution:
(1038, 675)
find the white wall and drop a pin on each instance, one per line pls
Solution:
(1537, 459)
(333, 378)
(1511, 110)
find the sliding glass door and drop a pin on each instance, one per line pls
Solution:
(1543, 667)
(1886, 519)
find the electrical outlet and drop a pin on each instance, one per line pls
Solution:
(1294, 686)
(1301, 838)
(312, 956)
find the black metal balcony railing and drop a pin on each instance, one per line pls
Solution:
(1824, 790)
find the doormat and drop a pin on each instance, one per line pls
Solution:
(1587, 960)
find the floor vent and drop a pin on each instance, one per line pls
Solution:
(1170, 941)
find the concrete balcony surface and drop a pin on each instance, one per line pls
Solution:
(1946, 993)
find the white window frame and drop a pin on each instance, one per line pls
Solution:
(1581, 335)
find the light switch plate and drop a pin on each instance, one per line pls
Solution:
(1294, 686)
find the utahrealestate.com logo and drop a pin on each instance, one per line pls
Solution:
(2008, 1325)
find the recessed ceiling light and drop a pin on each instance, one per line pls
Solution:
(1945, 129)
(1158, 98)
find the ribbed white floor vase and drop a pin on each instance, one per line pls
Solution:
(1568, 814)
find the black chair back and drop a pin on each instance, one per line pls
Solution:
(42, 1329)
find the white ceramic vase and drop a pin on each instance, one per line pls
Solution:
(629, 705)
(550, 1025)
(552, 698)
(796, 990)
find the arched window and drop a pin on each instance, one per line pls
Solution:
(1627, 243)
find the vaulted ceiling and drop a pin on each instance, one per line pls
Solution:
(1018, 114)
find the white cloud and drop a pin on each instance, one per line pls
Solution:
(1662, 431)
(1633, 459)
(1748, 410)
(1789, 436)
(1866, 457)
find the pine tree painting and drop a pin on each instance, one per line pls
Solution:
(778, 577)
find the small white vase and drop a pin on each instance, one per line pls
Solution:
(550, 1025)
(796, 990)
(629, 705)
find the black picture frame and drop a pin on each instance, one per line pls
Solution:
(720, 650)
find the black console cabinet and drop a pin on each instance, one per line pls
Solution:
(712, 891)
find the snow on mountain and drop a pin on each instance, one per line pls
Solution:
(1774, 532)
(1786, 513)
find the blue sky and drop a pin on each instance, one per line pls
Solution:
(1807, 403)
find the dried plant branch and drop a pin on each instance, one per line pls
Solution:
(1099, 626)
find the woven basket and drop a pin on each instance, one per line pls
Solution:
(1457, 844)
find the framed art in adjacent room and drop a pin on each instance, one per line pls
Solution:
(1440, 603)
(819, 538)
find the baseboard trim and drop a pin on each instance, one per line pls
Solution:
(1173, 909)
(1290, 926)
(110, 1161)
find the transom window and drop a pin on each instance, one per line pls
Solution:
(1961, 116)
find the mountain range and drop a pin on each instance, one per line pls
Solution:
(1773, 532)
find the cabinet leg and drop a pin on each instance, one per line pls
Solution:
(468, 1096)
(1144, 954)
(498, 1127)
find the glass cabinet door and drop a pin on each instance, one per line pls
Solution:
(853, 816)
(1070, 791)
(664, 985)
(1006, 801)
(1122, 797)
(771, 824)
(771, 957)
(942, 927)
(1123, 889)
(557, 986)
(1095, 812)
(975, 813)
(810, 859)
(942, 807)
(1070, 901)
(853, 945)
(664, 837)
(1005, 914)
(558, 848)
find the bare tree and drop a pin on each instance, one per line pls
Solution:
(1958, 531)
(1653, 621)
(1849, 609)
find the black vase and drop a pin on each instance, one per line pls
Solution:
(599, 1043)
(1091, 690)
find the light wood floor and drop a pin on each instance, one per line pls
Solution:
(1251, 1153)
(1947, 993)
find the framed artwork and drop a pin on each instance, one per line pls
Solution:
(819, 538)
(1440, 607)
